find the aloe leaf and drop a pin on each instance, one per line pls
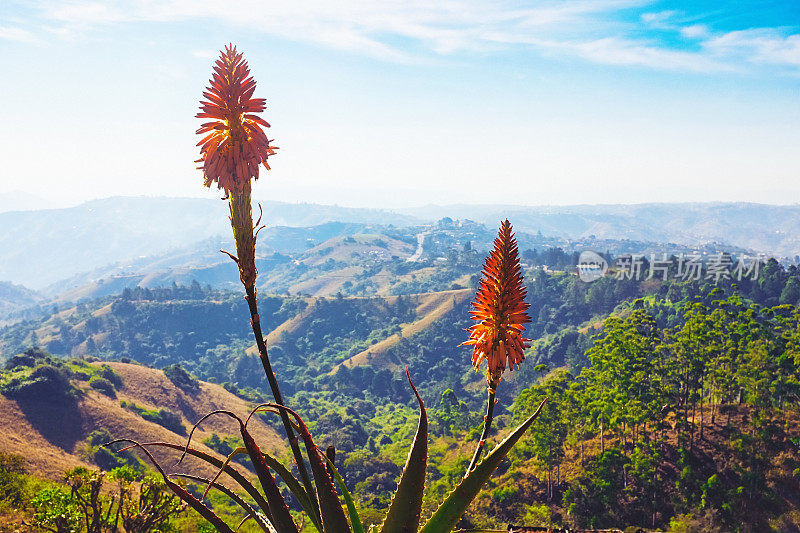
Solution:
(333, 517)
(355, 520)
(233, 454)
(276, 508)
(447, 515)
(296, 488)
(199, 506)
(235, 474)
(404, 511)
(281, 516)
(182, 493)
(259, 518)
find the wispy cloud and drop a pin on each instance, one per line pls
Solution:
(599, 31)
(695, 31)
(16, 34)
(613, 51)
(758, 45)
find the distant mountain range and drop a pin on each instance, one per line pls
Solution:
(46, 247)
(771, 229)
(43, 247)
(15, 297)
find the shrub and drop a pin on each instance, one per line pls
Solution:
(505, 494)
(181, 378)
(12, 480)
(106, 459)
(163, 417)
(46, 381)
(55, 510)
(226, 445)
(106, 372)
(103, 385)
(148, 507)
(20, 360)
(167, 419)
(80, 375)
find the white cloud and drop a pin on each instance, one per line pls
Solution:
(658, 19)
(589, 29)
(16, 34)
(695, 31)
(205, 54)
(444, 27)
(612, 51)
(758, 45)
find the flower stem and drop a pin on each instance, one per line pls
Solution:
(242, 224)
(487, 423)
(255, 321)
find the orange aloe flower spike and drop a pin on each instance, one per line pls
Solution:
(500, 309)
(234, 144)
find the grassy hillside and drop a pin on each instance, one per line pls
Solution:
(53, 431)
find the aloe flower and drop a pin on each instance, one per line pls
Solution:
(500, 310)
(234, 147)
(232, 151)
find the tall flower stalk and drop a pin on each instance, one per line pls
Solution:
(232, 150)
(500, 312)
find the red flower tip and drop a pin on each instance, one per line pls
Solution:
(234, 144)
(500, 308)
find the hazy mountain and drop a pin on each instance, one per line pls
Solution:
(118, 236)
(14, 297)
(42, 247)
(22, 201)
(770, 229)
(200, 261)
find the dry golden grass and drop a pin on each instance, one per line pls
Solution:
(430, 308)
(328, 283)
(290, 326)
(52, 435)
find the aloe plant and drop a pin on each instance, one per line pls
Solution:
(233, 149)
(324, 509)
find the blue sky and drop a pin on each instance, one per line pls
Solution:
(407, 103)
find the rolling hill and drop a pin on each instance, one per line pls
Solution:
(138, 236)
(16, 297)
(45, 246)
(770, 229)
(52, 434)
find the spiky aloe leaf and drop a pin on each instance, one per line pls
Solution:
(234, 453)
(259, 518)
(182, 493)
(276, 508)
(447, 515)
(235, 474)
(403, 514)
(277, 505)
(355, 520)
(199, 506)
(333, 517)
(296, 488)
